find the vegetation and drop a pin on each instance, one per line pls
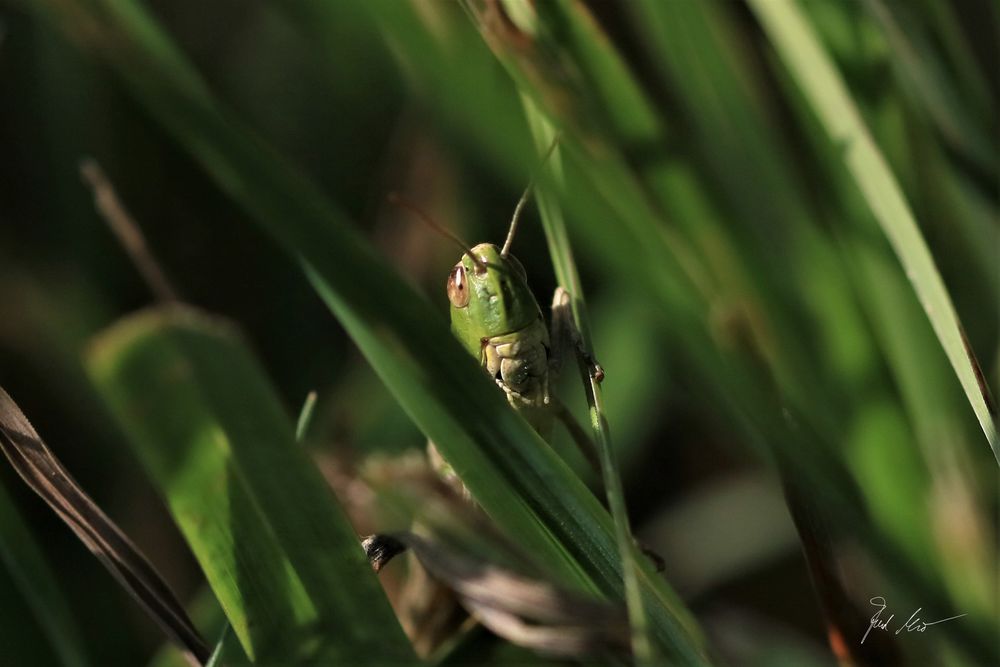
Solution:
(777, 222)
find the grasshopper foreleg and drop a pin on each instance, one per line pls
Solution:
(566, 334)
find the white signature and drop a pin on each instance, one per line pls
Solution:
(913, 624)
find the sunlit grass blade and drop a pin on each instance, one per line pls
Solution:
(822, 85)
(228, 650)
(274, 544)
(935, 418)
(518, 480)
(305, 416)
(23, 558)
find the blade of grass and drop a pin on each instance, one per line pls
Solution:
(513, 474)
(919, 386)
(568, 276)
(714, 79)
(305, 416)
(276, 547)
(228, 650)
(817, 77)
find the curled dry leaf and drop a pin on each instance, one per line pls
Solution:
(42, 471)
(526, 611)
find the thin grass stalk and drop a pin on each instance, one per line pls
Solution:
(568, 276)
(305, 417)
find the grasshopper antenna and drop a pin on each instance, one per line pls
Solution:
(524, 200)
(396, 199)
(125, 228)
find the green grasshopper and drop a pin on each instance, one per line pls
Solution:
(497, 320)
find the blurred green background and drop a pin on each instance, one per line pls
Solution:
(770, 257)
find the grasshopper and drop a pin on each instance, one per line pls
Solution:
(497, 319)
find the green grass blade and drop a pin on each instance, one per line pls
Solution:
(28, 568)
(513, 474)
(816, 75)
(228, 650)
(568, 276)
(277, 549)
(305, 417)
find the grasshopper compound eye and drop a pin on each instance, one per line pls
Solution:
(458, 287)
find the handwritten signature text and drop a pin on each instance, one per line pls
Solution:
(913, 624)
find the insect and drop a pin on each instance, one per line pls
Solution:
(497, 319)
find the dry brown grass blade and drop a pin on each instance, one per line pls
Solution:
(47, 477)
(126, 230)
(525, 611)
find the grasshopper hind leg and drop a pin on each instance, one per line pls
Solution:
(446, 472)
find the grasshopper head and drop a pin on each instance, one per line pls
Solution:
(489, 297)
